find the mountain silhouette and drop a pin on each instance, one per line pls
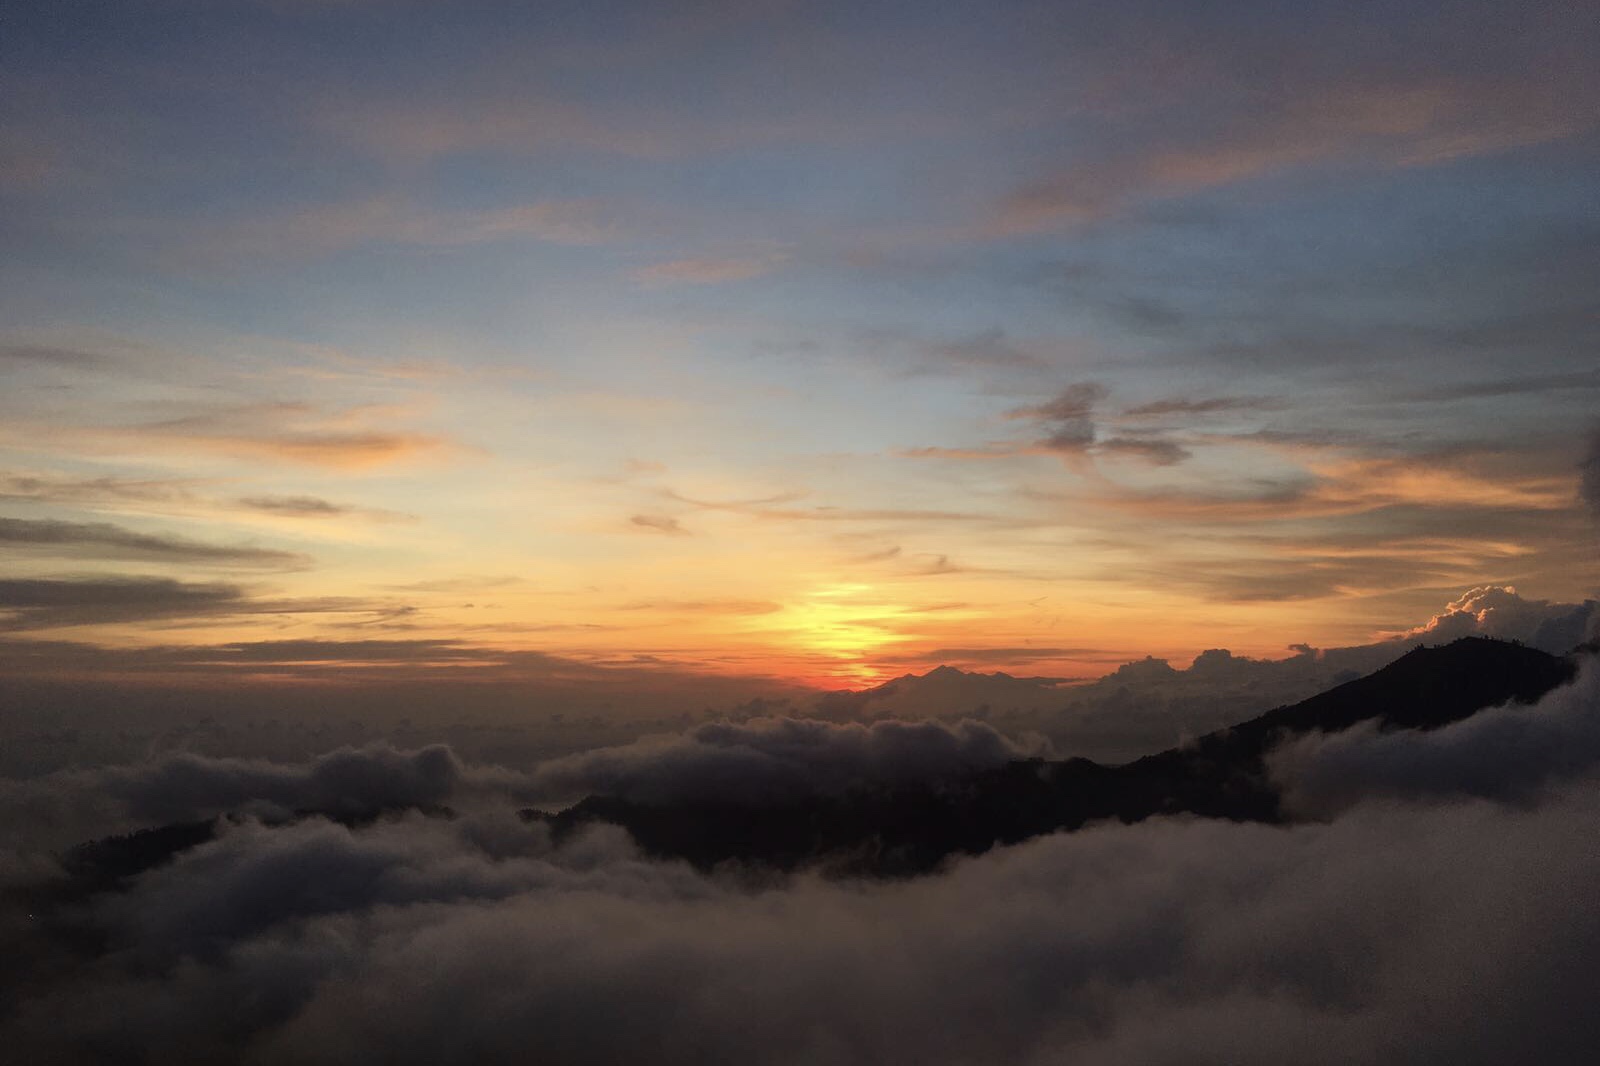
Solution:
(1141, 707)
(910, 829)
(942, 692)
(110, 861)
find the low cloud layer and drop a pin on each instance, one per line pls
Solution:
(1433, 932)
(758, 760)
(1425, 924)
(777, 758)
(1507, 753)
(70, 806)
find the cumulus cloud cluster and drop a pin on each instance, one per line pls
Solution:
(758, 760)
(780, 758)
(1498, 611)
(69, 806)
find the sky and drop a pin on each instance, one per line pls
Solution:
(809, 342)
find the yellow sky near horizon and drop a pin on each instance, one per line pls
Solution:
(947, 336)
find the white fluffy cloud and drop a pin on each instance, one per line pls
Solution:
(1498, 611)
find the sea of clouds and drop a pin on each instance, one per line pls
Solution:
(1435, 904)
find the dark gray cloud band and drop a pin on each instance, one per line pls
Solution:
(45, 603)
(1589, 474)
(103, 540)
(778, 758)
(759, 760)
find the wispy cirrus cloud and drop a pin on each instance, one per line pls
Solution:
(60, 358)
(317, 230)
(709, 270)
(1200, 405)
(43, 603)
(178, 496)
(1334, 486)
(706, 607)
(353, 438)
(656, 523)
(510, 122)
(337, 450)
(1228, 118)
(1068, 426)
(37, 604)
(988, 350)
(100, 491)
(1153, 450)
(103, 540)
(772, 508)
(1589, 474)
(315, 507)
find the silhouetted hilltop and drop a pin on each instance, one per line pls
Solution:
(912, 828)
(108, 862)
(1429, 687)
(943, 691)
(102, 863)
(1140, 708)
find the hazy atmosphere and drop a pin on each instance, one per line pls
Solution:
(938, 532)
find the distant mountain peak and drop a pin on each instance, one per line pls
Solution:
(913, 827)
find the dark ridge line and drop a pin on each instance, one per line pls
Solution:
(904, 830)
(913, 829)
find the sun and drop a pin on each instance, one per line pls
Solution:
(843, 626)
